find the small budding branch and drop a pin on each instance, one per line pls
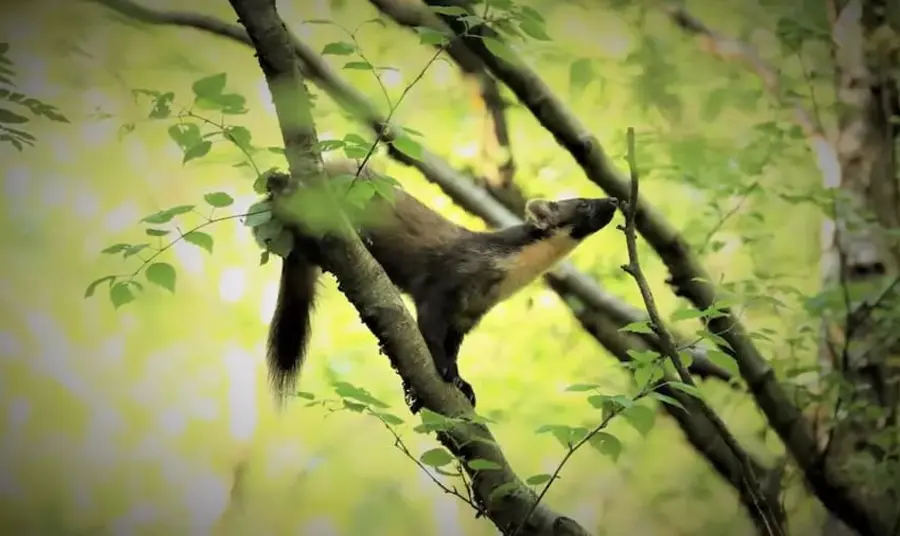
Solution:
(667, 344)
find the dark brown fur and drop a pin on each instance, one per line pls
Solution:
(453, 275)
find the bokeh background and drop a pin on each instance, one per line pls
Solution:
(138, 420)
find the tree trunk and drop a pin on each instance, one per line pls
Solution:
(860, 263)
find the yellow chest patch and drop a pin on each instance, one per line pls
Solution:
(532, 261)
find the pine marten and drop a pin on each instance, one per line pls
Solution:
(453, 275)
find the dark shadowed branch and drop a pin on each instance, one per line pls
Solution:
(500, 167)
(368, 288)
(858, 167)
(470, 197)
(597, 310)
(687, 276)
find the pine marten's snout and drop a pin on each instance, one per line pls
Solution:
(602, 211)
(591, 215)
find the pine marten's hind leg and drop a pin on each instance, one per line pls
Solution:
(444, 336)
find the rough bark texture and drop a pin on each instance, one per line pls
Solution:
(592, 305)
(859, 169)
(688, 277)
(858, 252)
(367, 287)
(434, 168)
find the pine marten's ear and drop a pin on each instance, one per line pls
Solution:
(540, 213)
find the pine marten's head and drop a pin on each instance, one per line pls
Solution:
(576, 218)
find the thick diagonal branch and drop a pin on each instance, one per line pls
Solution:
(688, 277)
(368, 288)
(600, 313)
(432, 167)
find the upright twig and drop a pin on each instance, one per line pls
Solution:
(633, 268)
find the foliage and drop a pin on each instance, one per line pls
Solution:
(722, 161)
(16, 135)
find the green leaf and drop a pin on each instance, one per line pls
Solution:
(304, 394)
(330, 145)
(408, 146)
(258, 214)
(120, 294)
(94, 284)
(209, 87)
(479, 464)
(437, 457)
(685, 388)
(449, 10)
(116, 248)
(197, 151)
(239, 136)
(502, 490)
(686, 314)
(528, 12)
(641, 418)
(7, 116)
(713, 105)
(431, 37)
(162, 274)
(359, 66)
(339, 48)
(535, 29)
(725, 361)
(606, 444)
(130, 251)
(389, 418)
(537, 480)
(498, 48)
(638, 327)
(353, 406)
(282, 244)
(162, 106)
(718, 340)
(200, 239)
(566, 435)
(185, 135)
(156, 232)
(164, 216)
(643, 356)
(582, 387)
(433, 422)
(347, 390)
(218, 199)
(665, 399)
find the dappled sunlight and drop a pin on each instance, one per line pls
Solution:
(155, 416)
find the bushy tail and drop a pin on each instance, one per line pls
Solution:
(290, 328)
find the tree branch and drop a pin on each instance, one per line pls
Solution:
(598, 311)
(688, 277)
(432, 167)
(845, 165)
(767, 514)
(497, 145)
(367, 287)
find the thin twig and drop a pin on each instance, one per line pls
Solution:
(401, 446)
(633, 268)
(719, 224)
(574, 447)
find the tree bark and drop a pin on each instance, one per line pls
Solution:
(368, 288)
(860, 257)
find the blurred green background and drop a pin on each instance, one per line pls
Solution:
(135, 421)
